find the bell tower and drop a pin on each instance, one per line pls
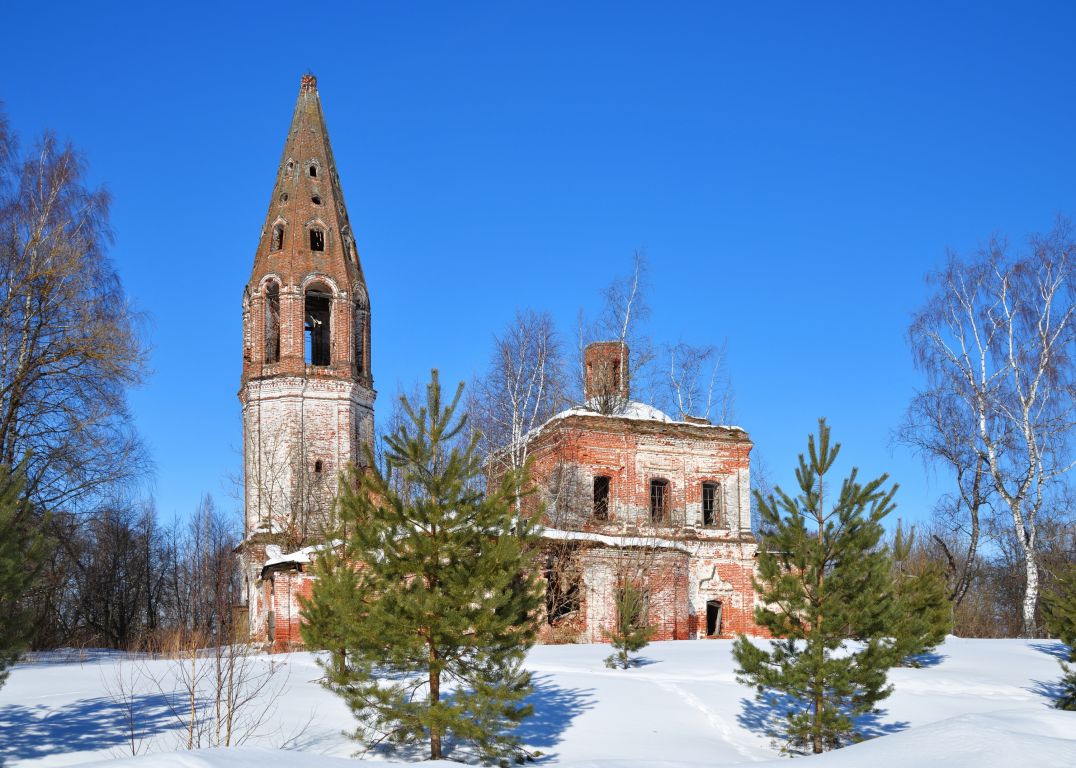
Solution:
(306, 389)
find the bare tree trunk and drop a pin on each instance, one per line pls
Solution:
(435, 697)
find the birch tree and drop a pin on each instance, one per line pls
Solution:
(623, 312)
(995, 342)
(522, 389)
(697, 382)
(70, 342)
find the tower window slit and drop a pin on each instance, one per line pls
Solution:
(272, 323)
(317, 240)
(360, 339)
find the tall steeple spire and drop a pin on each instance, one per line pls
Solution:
(307, 190)
(306, 388)
(307, 233)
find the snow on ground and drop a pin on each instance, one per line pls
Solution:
(976, 703)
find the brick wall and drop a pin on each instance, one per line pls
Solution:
(687, 567)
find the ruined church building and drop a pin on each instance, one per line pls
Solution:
(629, 493)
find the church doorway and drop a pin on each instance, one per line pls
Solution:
(713, 618)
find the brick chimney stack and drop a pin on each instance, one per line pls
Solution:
(606, 365)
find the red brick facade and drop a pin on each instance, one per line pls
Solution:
(688, 545)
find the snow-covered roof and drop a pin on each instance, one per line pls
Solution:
(635, 410)
(650, 542)
(276, 556)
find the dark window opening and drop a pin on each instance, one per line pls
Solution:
(316, 328)
(563, 596)
(710, 502)
(713, 618)
(317, 466)
(314, 171)
(659, 500)
(317, 240)
(360, 339)
(316, 199)
(278, 238)
(272, 323)
(601, 498)
(283, 197)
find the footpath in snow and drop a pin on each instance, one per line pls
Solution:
(978, 703)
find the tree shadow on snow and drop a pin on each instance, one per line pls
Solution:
(32, 732)
(1051, 690)
(924, 660)
(554, 710)
(1054, 648)
(767, 717)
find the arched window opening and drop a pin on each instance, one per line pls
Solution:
(359, 322)
(317, 466)
(277, 241)
(315, 199)
(283, 197)
(317, 240)
(317, 311)
(272, 323)
(711, 504)
(601, 497)
(659, 500)
(313, 171)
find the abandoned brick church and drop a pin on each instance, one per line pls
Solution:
(629, 493)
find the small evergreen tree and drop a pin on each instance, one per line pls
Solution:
(922, 614)
(431, 591)
(632, 631)
(22, 552)
(822, 578)
(1059, 616)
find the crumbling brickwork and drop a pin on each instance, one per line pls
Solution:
(663, 504)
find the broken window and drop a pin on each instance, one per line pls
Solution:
(711, 501)
(601, 498)
(659, 500)
(317, 240)
(272, 323)
(317, 309)
(277, 241)
(713, 618)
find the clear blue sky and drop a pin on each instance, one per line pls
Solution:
(792, 171)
